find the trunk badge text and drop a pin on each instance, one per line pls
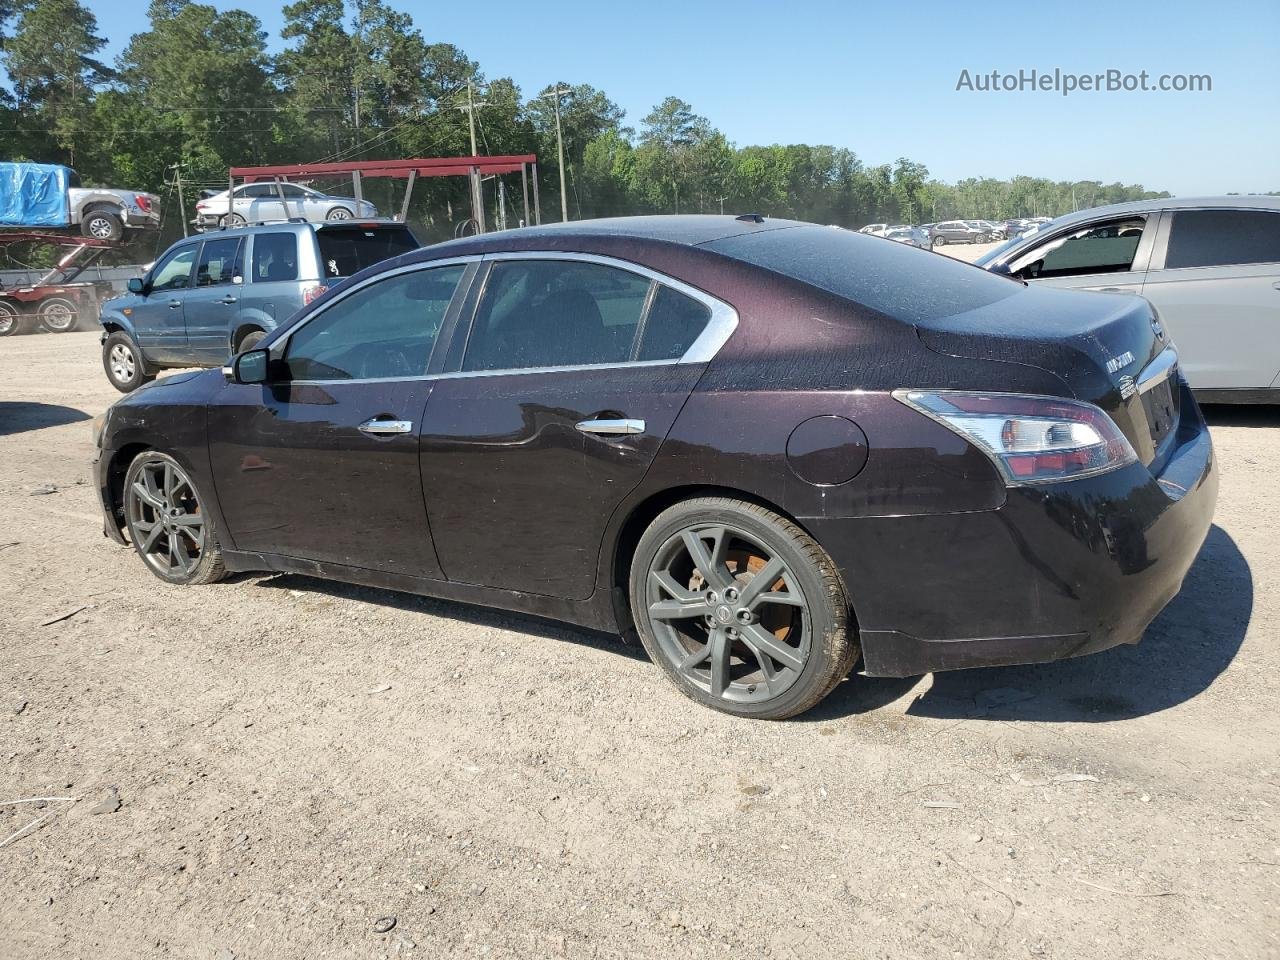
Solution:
(1116, 364)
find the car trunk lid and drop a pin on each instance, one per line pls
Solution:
(1108, 350)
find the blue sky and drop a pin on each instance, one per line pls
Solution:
(880, 78)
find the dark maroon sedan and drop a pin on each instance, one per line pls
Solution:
(770, 447)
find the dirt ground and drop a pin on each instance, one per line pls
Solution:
(297, 760)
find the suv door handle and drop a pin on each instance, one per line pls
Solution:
(174, 303)
(227, 300)
(386, 428)
(612, 428)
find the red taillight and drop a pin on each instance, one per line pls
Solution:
(202, 205)
(312, 292)
(143, 202)
(1030, 439)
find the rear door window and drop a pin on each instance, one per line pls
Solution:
(220, 261)
(1216, 238)
(556, 313)
(345, 251)
(1107, 247)
(275, 257)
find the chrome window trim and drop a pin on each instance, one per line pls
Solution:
(721, 325)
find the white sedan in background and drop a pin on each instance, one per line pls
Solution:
(267, 201)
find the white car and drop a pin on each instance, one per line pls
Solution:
(257, 202)
(1211, 267)
(875, 229)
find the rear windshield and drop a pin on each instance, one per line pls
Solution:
(348, 250)
(893, 278)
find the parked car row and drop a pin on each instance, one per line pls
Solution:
(957, 231)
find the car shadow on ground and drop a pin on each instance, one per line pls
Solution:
(1183, 652)
(453, 610)
(1242, 415)
(20, 417)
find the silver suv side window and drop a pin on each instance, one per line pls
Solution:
(275, 257)
(1107, 247)
(174, 271)
(1217, 238)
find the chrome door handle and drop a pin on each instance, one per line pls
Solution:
(227, 300)
(386, 428)
(174, 303)
(612, 428)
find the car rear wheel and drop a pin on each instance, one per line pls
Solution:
(123, 363)
(167, 521)
(741, 608)
(102, 225)
(10, 320)
(250, 340)
(939, 241)
(339, 213)
(232, 220)
(58, 315)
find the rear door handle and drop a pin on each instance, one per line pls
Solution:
(1116, 290)
(1276, 285)
(173, 304)
(227, 300)
(386, 428)
(612, 428)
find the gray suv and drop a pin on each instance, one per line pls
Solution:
(1211, 267)
(217, 294)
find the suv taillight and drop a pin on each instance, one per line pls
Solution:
(143, 202)
(312, 292)
(1030, 439)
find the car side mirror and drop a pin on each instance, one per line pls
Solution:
(250, 366)
(136, 285)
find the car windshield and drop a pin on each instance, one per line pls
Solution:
(866, 271)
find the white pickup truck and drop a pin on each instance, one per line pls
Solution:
(40, 195)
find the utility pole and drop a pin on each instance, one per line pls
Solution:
(477, 192)
(721, 201)
(182, 204)
(555, 95)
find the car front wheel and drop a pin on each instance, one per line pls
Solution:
(339, 213)
(123, 363)
(167, 521)
(741, 608)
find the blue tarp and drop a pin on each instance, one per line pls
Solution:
(34, 195)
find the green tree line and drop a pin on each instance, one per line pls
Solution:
(356, 79)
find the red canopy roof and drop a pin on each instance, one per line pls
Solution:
(425, 167)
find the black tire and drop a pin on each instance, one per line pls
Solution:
(123, 363)
(12, 321)
(250, 340)
(167, 522)
(779, 651)
(102, 225)
(339, 213)
(58, 315)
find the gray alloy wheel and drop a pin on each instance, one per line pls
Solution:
(123, 363)
(339, 213)
(232, 220)
(741, 608)
(10, 320)
(167, 522)
(59, 315)
(102, 225)
(939, 241)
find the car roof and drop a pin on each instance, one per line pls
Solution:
(1230, 202)
(686, 229)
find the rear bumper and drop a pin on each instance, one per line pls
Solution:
(1057, 571)
(142, 221)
